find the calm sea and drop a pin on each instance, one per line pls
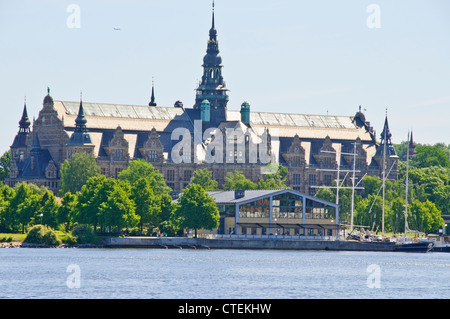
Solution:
(27, 273)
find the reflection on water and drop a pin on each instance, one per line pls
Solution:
(232, 274)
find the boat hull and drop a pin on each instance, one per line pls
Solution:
(441, 249)
(414, 247)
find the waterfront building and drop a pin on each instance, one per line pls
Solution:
(278, 212)
(178, 140)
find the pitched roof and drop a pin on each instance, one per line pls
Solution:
(228, 197)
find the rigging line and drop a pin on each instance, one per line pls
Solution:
(370, 210)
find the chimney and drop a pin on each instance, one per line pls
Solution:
(239, 193)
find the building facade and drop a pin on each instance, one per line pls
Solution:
(277, 212)
(178, 140)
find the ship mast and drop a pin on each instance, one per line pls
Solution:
(383, 184)
(406, 187)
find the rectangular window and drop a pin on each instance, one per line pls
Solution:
(170, 175)
(296, 179)
(118, 155)
(152, 156)
(327, 180)
(187, 175)
(312, 180)
(171, 185)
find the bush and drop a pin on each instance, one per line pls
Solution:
(69, 239)
(6, 239)
(40, 234)
(84, 234)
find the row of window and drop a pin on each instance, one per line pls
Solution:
(293, 231)
(170, 175)
(312, 214)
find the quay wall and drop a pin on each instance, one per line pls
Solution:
(242, 243)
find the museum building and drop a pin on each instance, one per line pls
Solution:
(179, 140)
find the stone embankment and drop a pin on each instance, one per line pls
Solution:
(240, 243)
(19, 244)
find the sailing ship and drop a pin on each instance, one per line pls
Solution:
(407, 244)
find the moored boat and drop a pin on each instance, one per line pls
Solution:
(419, 247)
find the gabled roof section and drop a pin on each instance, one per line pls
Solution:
(228, 197)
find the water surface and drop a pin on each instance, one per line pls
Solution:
(28, 273)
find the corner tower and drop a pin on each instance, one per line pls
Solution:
(19, 147)
(212, 86)
(80, 141)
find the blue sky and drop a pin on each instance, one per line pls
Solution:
(289, 56)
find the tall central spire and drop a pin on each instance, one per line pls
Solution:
(212, 86)
(213, 31)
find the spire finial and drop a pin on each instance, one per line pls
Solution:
(213, 14)
(152, 99)
(48, 90)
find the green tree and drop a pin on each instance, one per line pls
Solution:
(275, 179)
(424, 217)
(91, 199)
(369, 211)
(237, 180)
(431, 183)
(167, 218)
(372, 185)
(396, 217)
(25, 205)
(326, 193)
(444, 148)
(6, 193)
(48, 210)
(67, 210)
(119, 209)
(140, 168)
(5, 164)
(203, 177)
(196, 209)
(76, 172)
(22, 208)
(146, 202)
(427, 156)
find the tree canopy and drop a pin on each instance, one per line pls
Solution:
(76, 172)
(203, 177)
(196, 209)
(141, 169)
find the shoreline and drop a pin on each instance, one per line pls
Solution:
(229, 243)
(20, 244)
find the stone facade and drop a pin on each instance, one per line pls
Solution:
(179, 140)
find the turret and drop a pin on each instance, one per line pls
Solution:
(245, 113)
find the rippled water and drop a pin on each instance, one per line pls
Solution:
(213, 274)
